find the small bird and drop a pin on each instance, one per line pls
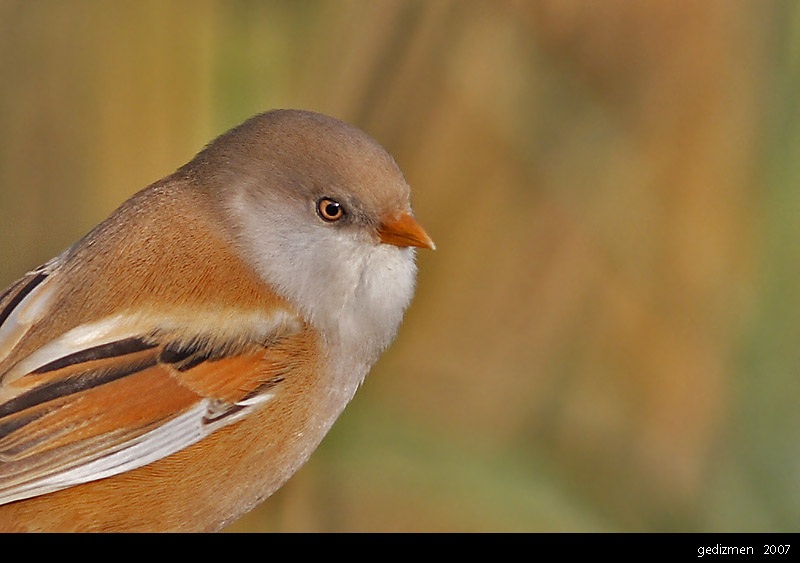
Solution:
(175, 366)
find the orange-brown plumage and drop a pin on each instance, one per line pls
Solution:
(174, 367)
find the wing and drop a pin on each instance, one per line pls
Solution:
(118, 393)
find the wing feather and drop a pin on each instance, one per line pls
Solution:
(22, 304)
(125, 391)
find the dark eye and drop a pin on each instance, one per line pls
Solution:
(329, 209)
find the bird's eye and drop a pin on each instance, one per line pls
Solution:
(329, 209)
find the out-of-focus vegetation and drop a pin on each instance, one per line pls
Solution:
(607, 338)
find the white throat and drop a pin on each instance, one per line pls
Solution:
(346, 284)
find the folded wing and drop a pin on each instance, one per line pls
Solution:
(124, 391)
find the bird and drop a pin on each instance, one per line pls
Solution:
(175, 366)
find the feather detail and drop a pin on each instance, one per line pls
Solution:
(21, 305)
(87, 407)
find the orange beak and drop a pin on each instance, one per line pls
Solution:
(403, 230)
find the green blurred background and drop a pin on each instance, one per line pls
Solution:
(607, 338)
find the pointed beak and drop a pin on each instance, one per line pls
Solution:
(403, 230)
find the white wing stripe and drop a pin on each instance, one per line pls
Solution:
(172, 436)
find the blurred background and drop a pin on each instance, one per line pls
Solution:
(607, 337)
